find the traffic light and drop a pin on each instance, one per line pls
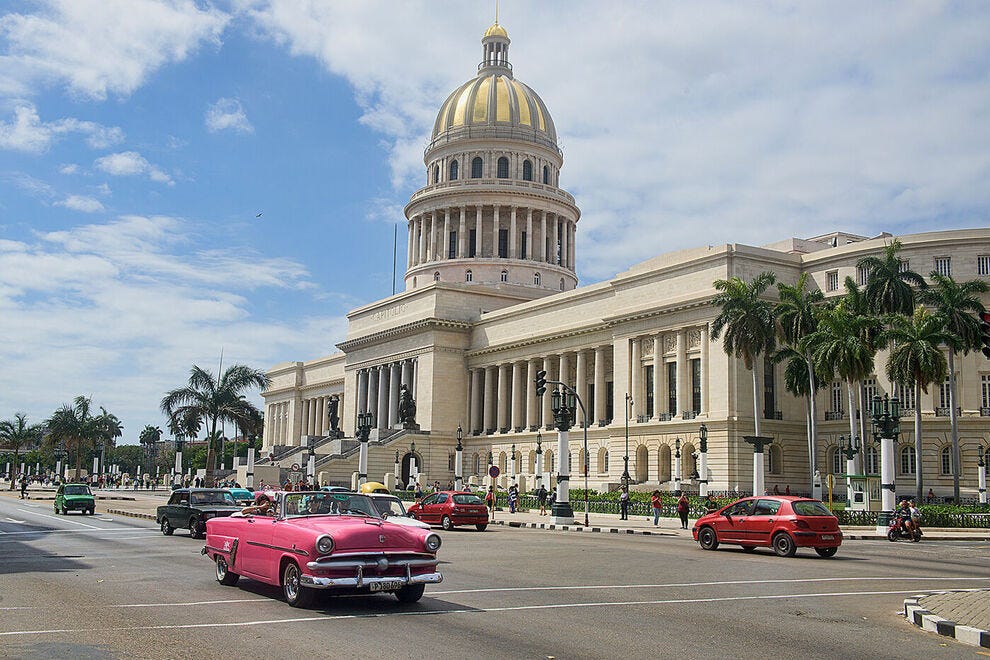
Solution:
(541, 382)
(985, 332)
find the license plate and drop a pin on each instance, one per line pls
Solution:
(391, 585)
(827, 537)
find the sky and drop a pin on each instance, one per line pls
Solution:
(182, 178)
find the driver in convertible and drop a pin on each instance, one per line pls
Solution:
(317, 506)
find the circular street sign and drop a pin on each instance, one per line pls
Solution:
(295, 466)
(493, 471)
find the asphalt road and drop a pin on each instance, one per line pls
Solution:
(108, 586)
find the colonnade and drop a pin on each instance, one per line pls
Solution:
(277, 418)
(431, 232)
(314, 415)
(378, 390)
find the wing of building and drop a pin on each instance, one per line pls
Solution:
(491, 298)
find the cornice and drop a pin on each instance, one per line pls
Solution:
(402, 331)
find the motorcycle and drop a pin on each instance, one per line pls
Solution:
(896, 531)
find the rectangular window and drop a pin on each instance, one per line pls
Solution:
(769, 389)
(452, 246)
(943, 266)
(946, 461)
(672, 388)
(649, 390)
(473, 243)
(832, 280)
(503, 243)
(862, 275)
(869, 391)
(985, 390)
(696, 385)
(905, 265)
(907, 460)
(907, 396)
(983, 265)
(943, 394)
(523, 246)
(836, 398)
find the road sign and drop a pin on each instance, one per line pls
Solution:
(493, 471)
(295, 467)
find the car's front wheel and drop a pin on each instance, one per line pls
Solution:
(194, 528)
(707, 538)
(167, 528)
(481, 528)
(783, 545)
(410, 593)
(295, 594)
(447, 523)
(56, 509)
(224, 576)
(826, 552)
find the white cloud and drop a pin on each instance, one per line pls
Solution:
(26, 132)
(227, 114)
(131, 163)
(69, 168)
(98, 47)
(81, 203)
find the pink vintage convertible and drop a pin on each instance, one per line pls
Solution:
(320, 540)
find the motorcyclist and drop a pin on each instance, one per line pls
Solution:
(904, 517)
(915, 516)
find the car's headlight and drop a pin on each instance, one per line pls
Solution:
(324, 545)
(433, 542)
(206, 516)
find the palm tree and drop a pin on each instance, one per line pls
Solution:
(957, 304)
(17, 434)
(747, 319)
(78, 428)
(795, 314)
(890, 286)
(149, 438)
(858, 304)
(214, 401)
(917, 360)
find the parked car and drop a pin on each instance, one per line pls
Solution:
(321, 540)
(242, 496)
(74, 497)
(190, 508)
(784, 523)
(451, 508)
(391, 508)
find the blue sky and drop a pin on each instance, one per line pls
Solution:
(139, 140)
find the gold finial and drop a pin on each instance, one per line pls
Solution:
(496, 12)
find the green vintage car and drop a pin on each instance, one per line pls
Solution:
(74, 497)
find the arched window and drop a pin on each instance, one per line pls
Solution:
(468, 276)
(774, 460)
(562, 284)
(946, 462)
(872, 461)
(436, 276)
(476, 165)
(502, 170)
(536, 279)
(476, 461)
(453, 170)
(436, 174)
(450, 462)
(503, 462)
(505, 276)
(546, 175)
(908, 465)
(837, 461)
(527, 170)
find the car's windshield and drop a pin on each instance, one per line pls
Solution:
(810, 508)
(391, 506)
(467, 499)
(77, 490)
(328, 504)
(214, 497)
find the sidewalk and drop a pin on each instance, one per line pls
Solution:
(962, 615)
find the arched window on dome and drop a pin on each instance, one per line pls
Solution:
(505, 276)
(527, 170)
(562, 284)
(546, 175)
(536, 279)
(468, 276)
(436, 276)
(476, 165)
(453, 171)
(502, 171)
(436, 174)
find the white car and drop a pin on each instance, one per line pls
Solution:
(391, 508)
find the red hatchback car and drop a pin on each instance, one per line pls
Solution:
(451, 508)
(782, 523)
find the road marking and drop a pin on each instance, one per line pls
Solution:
(101, 530)
(19, 522)
(701, 584)
(470, 610)
(198, 602)
(63, 519)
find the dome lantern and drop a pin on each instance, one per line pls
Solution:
(495, 50)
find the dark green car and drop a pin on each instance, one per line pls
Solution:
(74, 497)
(190, 508)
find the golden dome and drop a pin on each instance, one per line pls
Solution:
(496, 30)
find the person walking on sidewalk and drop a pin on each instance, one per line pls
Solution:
(24, 486)
(624, 503)
(683, 506)
(490, 501)
(657, 505)
(541, 497)
(513, 497)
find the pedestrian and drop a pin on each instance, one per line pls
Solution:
(657, 505)
(624, 503)
(683, 506)
(711, 506)
(787, 489)
(419, 492)
(513, 498)
(552, 500)
(776, 489)
(24, 486)
(490, 501)
(931, 495)
(541, 498)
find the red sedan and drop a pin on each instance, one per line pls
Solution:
(782, 523)
(451, 508)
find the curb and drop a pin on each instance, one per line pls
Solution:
(581, 528)
(926, 620)
(120, 512)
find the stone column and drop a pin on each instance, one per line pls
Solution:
(565, 369)
(314, 417)
(600, 388)
(381, 415)
(305, 416)
(518, 389)
(683, 377)
(422, 239)
(395, 375)
(572, 257)
(462, 234)
(503, 396)
(531, 398)
(445, 239)
(478, 230)
(636, 375)
(530, 243)
(564, 236)
(496, 229)
(372, 405)
(512, 234)
(411, 242)
(554, 239)
(362, 389)
(543, 237)
(407, 374)
(490, 401)
(704, 370)
(581, 382)
(657, 376)
(477, 401)
(547, 413)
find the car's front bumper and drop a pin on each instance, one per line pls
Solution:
(360, 581)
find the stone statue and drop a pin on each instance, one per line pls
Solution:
(407, 407)
(332, 416)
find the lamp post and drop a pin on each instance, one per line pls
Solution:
(177, 477)
(365, 421)
(758, 442)
(311, 461)
(413, 472)
(249, 472)
(677, 465)
(625, 459)
(886, 414)
(96, 460)
(703, 460)
(562, 513)
(396, 466)
(459, 461)
(849, 451)
(981, 465)
(539, 461)
(60, 456)
(512, 464)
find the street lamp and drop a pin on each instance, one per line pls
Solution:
(177, 482)
(625, 459)
(458, 461)
(365, 421)
(395, 467)
(982, 467)
(249, 471)
(886, 414)
(849, 451)
(512, 464)
(703, 457)
(539, 461)
(311, 462)
(677, 465)
(413, 472)
(60, 455)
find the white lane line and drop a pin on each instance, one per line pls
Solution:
(198, 602)
(469, 610)
(701, 584)
(128, 538)
(11, 520)
(63, 519)
(95, 530)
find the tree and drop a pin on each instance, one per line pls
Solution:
(889, 285)
(214, 401)
(795, 314)
(957, 304)
(79, 429)
(17, 434)
(149, 438)
(748, 322)
(917, 360)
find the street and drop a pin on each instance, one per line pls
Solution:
(111, 586)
